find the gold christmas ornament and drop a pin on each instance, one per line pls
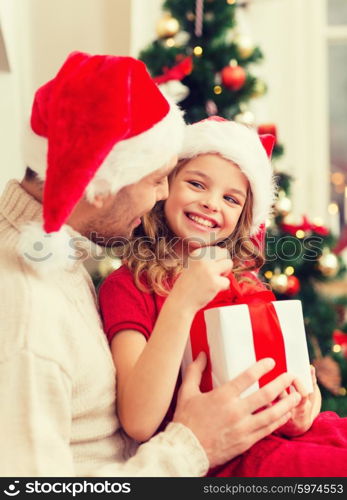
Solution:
(283, 204)
(259, 89)
(289, 270)
(190, 16)
(170, 42)
(279, 282)
(167, 26)
(245, 46)
(198, 50)
(328, 264)
(217, 89)
(300, 234)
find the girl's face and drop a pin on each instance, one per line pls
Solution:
(205, 200)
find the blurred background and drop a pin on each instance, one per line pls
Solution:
(277, 65)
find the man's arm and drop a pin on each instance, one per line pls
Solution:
(35, 417)
(212, 428)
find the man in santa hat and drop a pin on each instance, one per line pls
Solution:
(101, 142)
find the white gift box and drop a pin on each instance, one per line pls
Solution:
(230, 339)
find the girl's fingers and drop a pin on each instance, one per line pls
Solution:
(283, 395)
(299, 386)
(313, 375)
(269, 392)
(282, 409)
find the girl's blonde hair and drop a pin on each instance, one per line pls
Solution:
(150, 257)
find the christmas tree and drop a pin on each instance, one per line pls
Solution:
(300, 257)
(204, 61)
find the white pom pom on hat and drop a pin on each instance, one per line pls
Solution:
(46, 252)
(244, 147)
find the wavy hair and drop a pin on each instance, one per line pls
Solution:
(150, 254)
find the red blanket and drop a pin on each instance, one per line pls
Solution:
(320, 452)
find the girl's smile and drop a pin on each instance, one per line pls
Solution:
(206, 199)
(201, 222)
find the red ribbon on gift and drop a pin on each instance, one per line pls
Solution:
(267, 335)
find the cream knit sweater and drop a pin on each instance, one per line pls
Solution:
(57, 379)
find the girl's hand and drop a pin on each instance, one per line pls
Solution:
(305, 412)
(202, 278)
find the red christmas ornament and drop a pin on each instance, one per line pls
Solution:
(233, 77)
(293, 285)
(268, 128)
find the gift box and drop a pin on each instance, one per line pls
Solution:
(236, 330)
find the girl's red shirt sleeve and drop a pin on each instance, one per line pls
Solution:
(124, 307)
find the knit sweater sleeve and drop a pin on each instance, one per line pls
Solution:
(35, 390)
(175, 452)
(35, 417)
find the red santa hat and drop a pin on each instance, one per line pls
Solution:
(100, 124)
(244, 147)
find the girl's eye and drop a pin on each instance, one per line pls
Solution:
(230, 199)
(196, 184)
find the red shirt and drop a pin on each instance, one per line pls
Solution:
(124, 307)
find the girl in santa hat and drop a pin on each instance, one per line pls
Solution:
(220, 193)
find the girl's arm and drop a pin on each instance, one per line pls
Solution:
(147, 371)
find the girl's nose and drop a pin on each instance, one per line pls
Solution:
(210, 204)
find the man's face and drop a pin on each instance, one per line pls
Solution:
(121, 213)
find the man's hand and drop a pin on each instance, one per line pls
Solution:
(305, 412)
(225, 424)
